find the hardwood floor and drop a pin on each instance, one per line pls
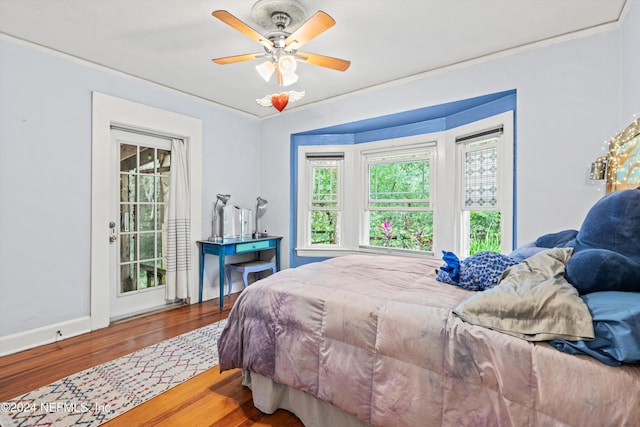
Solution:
(209, 399)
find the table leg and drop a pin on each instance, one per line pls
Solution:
(201, 273)
(221, 273)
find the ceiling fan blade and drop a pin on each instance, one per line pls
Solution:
(234, 22)
(238, 58)
(310, 29)
(323, 61)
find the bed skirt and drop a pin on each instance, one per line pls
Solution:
(268, 396)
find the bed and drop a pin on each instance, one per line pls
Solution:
(376, 340)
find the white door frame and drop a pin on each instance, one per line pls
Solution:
(108, 110)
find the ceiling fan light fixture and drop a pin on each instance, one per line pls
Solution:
(287, 64)
(289, 79)
(285, 28)
(266, 70)
(287, 70)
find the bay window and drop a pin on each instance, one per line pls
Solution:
(416, 196)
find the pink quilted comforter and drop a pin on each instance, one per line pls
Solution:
(376, 337)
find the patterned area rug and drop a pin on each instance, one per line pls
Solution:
(92, 397)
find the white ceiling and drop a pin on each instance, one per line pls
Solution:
(172, 42)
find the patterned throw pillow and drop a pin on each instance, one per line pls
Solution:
(482, 270)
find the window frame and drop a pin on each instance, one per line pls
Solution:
(311, 165)
(304, 200)
(444, 191)
(406, 146)
(504, 180)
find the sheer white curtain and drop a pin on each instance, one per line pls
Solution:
(178, 224)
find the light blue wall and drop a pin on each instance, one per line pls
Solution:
(630, 71)
(45, 177)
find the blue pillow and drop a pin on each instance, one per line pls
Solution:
(616, 324)
(596, 270)
(556, 240)
(526, 251)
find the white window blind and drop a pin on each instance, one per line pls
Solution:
(480, 168)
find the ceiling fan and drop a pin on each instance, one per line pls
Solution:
(286, 30)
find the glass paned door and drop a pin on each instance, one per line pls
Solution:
(142, 187)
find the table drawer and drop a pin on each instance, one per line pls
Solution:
(252, 246)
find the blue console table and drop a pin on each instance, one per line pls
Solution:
(236, 246)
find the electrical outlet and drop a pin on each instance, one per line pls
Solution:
(58, 333)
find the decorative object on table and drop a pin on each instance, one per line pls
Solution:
(286, 28)
(236, 222)
(231, 222)
(260, 204)
(246, 222)
(215, 227)
(280, 101)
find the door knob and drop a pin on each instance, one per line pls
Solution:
(112, 237)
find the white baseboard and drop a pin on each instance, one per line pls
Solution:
(14, 343)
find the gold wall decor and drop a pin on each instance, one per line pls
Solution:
(599, 169)
(624, 159)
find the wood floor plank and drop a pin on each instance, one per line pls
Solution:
(209, 399)
(48, 363)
